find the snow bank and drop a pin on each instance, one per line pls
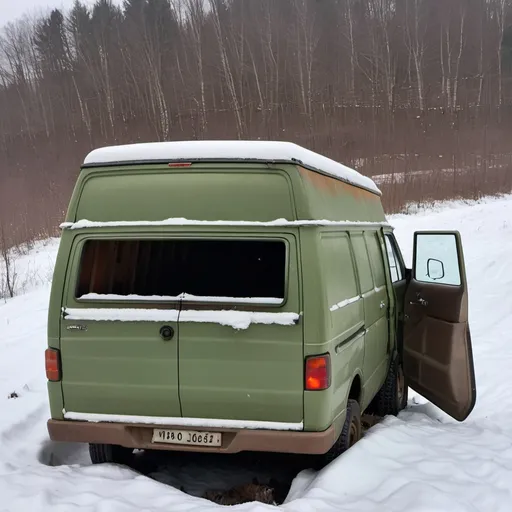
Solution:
(255, 151)
(235, 319)
(33, 267)
(420, 462)
(183, 422)
(84, 223)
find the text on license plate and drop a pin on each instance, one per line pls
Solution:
(187, 437)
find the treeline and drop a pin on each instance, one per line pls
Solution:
(388, 86)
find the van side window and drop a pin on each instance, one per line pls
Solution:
(362, 261)
(376, 258)
(395, 266)
(341, 280)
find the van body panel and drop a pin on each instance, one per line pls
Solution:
(56, 400)
(257, 192)
(121, 368)
(335, 320)
(196, 194)
(254, 374)
(327, 198)
(316, 325)
(115, 367)
(377, 346)
(346, 312)
(246, 374)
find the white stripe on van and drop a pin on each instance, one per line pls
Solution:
(374, 290)
(84, 224)
(344, 303)
(182, 422)
(235, 319)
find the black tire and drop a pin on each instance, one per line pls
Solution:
(392, 396)
(109, 453)
(350, 435)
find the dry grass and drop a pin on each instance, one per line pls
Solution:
(442, 185)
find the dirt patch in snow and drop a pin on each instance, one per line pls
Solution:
(368, 421)
(222, 479)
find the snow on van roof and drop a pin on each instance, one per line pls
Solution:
(254, 150)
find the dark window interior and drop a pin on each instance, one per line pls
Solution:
(210, 268)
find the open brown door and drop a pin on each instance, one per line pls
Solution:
(437, 355)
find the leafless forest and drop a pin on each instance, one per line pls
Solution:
(414, 92)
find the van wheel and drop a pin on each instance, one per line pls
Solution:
(350, 435)
(109, 453)
(392, 396)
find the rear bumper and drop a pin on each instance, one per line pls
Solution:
(233, 440)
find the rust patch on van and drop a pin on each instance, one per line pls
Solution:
(335, 187)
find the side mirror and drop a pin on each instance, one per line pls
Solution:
(435, 269)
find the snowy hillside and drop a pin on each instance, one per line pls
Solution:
(420, 462)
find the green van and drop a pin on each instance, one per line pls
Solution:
(236, 296)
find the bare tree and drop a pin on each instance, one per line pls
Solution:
(500, 16)
(305, 44)
(9, 275)
(216, 6)
(452, 25)
(415, 39)
(196, 19)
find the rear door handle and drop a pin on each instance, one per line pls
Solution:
(382, 305)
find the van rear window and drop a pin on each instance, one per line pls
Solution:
(148, 269)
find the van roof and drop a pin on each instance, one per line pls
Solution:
(224, 151)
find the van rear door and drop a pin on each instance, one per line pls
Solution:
(119, 334)
(240, 343)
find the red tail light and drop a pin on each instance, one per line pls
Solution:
(52, 361)
(318, 373)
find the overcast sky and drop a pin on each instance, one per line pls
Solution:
(10, 10)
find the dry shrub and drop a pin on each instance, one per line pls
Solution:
(8, 273)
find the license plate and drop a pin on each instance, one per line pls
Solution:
(187, 437)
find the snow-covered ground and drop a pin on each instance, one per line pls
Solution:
(420, 462)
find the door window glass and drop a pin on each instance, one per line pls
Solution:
(395, 267)
(373, 245)
(363, 263)
(437, 259)
(341, 281)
